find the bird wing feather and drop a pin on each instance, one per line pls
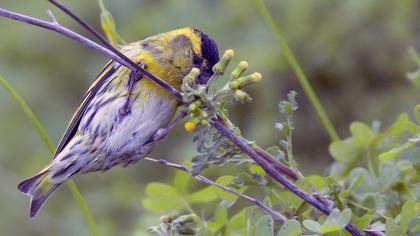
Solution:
(71, 130)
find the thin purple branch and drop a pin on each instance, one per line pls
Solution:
(54, 26)
(276, 215)
(277, 165)
(272, 172)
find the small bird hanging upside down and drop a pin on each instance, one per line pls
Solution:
(122, 114)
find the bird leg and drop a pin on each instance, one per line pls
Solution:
(134, 77)
(162, 132)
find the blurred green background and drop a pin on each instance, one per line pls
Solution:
(354, 53)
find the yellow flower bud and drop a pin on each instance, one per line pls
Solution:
(242, 66)
(190, 126)
(221, 66)
(249, 79)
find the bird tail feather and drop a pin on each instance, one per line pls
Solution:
(39, 188)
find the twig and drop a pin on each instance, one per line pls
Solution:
(54, 26)
(276, 215)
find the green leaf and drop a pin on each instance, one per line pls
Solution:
(204, 195)
(182, 179)
(325, 229)
(344, 152)
(336, 221)
(355, 181)
(405, 166)
(291, 227)
(220, 218)
(409, 211)
(160, 205)
(392, 228)
(238, 223)
(362, 222)
(414, 155)
(395, 152)
(362, 134)
(345, 217)
(318, 181)
(312, 226)
(161, 197)
(369, 187)
(389, 173)
(264, 226)
(109, 27)
(161, 190)
(395, 131)
(256, 169)
(226, 181)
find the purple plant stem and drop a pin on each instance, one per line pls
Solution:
(54, 26)
(272, 172)
(276, 215)
(277, 165)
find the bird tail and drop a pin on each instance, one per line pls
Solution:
(39, 188)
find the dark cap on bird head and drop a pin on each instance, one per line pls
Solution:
(210, 53)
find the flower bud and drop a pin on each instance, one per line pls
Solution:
(192, 76)
(234, 85)
(190, 126)
(249, 79)
(241, 96)
(204, 114)
(242, 66)
(194, 108)
(165, 219)
(221, 66)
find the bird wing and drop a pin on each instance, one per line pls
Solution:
(71, 130)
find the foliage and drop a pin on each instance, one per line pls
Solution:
(374, 179)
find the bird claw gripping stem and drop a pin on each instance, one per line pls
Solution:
(134, 77)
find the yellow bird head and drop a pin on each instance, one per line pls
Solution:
(173, 54)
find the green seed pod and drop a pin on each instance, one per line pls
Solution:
(221, 66)
(242, 66)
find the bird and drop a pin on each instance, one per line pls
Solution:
(122, 112)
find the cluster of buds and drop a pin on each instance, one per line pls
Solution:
(199, 116)
(237, 82)
(196, 95)
(180, 223)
